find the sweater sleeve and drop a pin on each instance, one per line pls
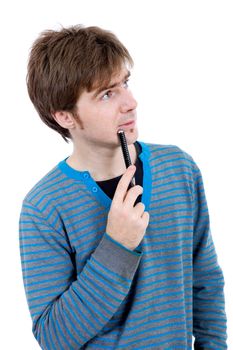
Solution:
(209, 319)
(68, 310)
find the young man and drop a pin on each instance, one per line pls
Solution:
(107, 266)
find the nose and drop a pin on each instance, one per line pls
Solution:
(128, 102)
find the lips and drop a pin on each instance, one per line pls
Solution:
(128, 123)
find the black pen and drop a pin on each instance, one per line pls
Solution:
(125, 152)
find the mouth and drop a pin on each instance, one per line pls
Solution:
(129, 123)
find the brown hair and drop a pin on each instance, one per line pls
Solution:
(62, 64)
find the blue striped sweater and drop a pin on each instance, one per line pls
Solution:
(86, 291)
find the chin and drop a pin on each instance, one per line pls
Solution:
(131, 135)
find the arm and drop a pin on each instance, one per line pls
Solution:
(68, 310)
(209, 319)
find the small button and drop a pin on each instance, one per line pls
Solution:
(86, 175)
(94, 189)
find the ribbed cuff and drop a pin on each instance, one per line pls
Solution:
(117, 257)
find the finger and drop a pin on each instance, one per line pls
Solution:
(139, 208)
(146, 218)
(132, 195)
(123, 185)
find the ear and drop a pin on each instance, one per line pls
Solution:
(64, 119)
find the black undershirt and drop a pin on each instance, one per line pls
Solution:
(109, 186)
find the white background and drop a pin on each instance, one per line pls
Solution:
(183, 82)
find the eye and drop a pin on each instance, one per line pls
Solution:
(126, 83)
(107, 95)
(110, 93)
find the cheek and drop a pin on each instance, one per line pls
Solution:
(106, 116)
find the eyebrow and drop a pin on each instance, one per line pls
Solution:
(101, 89)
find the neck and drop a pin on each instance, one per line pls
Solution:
(103, 164)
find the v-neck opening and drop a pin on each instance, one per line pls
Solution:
(97, 191)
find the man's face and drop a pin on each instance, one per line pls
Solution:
(103, 113)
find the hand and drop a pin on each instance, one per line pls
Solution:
(127, 224)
